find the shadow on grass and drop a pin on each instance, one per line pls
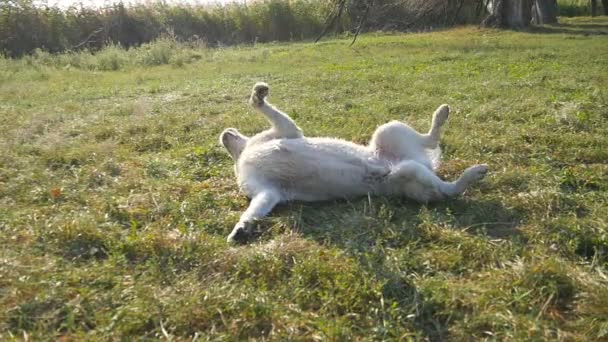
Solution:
(583, 29)
(488, 218)
(384, 232)
(585, 26)
(390, 236)
(394, 220)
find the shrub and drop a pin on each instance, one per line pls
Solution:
(158, 52)
(25, 27)
(111, 58)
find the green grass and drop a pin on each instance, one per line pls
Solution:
(115, 198)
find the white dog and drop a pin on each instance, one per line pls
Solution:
(280, 164)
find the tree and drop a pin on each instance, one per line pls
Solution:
(544, 12)
(509, 14)
(593, 8)
(605, 6)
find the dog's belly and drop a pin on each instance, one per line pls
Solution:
(310, 169)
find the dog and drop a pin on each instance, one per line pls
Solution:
(281, 164)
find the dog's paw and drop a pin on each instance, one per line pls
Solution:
(476, 173)
(376, 174)
(241, 233)
(258, 94)
(441, 114)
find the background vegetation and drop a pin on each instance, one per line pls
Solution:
(25, 27)
(115, 198)
(571, 8)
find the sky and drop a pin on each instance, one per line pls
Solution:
(102, 3)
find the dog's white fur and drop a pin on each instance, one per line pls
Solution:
(280, 164)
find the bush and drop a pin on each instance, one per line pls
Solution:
(571, 8)
(158, 52)
(575, 8)
(29, 29)
(25, 27)
(111, 58)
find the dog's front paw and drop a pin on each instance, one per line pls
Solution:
(258, 94)
(476, 173)
(241, 233)
(441, 114)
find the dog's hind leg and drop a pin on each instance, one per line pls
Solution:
(282, 125)
(396, 141)
(260, 205)
(417, 182)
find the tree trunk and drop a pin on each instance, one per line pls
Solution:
(593, 8)
(605, 6)
(545, 12)
(509, 14)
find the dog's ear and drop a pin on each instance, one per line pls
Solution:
(233, 141)
(225, 137)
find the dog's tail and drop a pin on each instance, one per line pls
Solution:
(435, 157)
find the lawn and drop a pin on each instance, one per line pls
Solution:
(116, 198)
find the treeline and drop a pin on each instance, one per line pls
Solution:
(26, 27)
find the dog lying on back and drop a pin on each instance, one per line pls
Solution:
(281, 164)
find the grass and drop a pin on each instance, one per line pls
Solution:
(115, 198)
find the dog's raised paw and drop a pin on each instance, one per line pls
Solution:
(259, 92)
(441, 114)
(476, 173)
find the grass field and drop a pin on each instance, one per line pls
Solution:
(115, 198)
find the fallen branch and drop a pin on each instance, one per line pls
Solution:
(90, 36)
(362, 21)
(332, 19)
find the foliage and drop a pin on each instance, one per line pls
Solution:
(115, 198)
(572, 8)
(25, 27)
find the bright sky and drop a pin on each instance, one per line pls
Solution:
(102, 3)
